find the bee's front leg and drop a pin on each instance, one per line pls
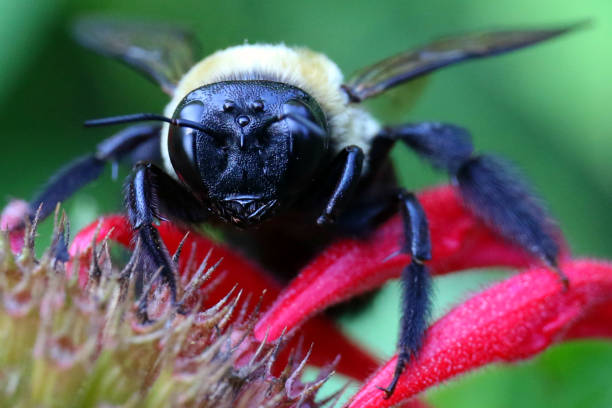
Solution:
(151, 195)
(350, 162)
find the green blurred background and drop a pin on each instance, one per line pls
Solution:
(546, 108)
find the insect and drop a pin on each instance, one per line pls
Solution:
(269, 143)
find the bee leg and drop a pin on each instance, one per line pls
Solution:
(350, 160)
(416, 284)
(151, 194)
(86, 169)
(504, 201)
(489, 186)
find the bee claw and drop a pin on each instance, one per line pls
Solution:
(399, 369)
(554, 266)
(563, 277)
(388, 391)
(325, 219)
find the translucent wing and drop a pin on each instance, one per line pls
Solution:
(377, 78)
(163, 53)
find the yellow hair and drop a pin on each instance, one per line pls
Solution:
(310, 71)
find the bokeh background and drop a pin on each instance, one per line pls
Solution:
(547, 108)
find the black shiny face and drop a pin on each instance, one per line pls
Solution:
(253, 158)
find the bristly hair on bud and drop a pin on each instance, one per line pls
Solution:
(65, 345)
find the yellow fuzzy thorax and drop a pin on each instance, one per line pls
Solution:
(310, 71)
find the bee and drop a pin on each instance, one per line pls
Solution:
(270, 144)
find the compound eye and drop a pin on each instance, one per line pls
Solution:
(308, 141)
(305, 125)
(182, 145)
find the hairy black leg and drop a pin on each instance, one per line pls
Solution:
(151, 194)
(351, 159)
(488, 186)
(85, 169)
(65, 182)
(502, 199)
(416, 284)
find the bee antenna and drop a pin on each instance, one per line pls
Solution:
(310, 125)
(143, 117)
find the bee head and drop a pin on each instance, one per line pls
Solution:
(259, 145)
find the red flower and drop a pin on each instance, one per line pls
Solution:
(351, 267)
(512, 320)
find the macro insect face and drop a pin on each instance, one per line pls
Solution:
(252, 157)
(270, 144)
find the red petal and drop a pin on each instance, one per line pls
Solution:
(328, 340)
(13, 215)
(352, 267)
(415, 403)
(512, 320)
(591, 325)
